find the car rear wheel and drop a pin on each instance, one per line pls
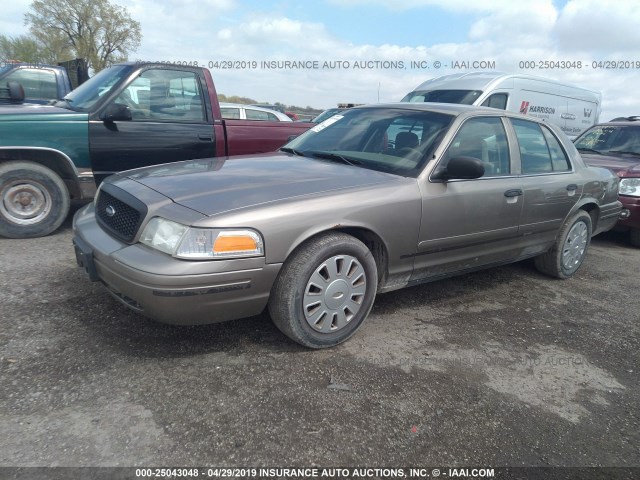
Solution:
(324, 291)
(34, 201)
(570, 249)
(634, 237)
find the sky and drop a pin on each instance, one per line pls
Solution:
(368, 51)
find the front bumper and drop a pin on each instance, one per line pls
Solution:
(167, 289)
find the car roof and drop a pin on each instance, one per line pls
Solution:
(244, 105)
(632, 120)
(457, 110)
(449, 109)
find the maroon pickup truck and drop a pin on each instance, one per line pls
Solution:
(127, 116)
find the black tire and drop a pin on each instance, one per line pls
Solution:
(355, 281)
(634, 237)
(34, 201)
(567, 254)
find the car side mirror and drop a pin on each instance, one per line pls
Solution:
(460, 168)
(16, 92)
(116, 112)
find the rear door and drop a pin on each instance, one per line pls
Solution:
(169, 122)
(470, 223)
(551, 187)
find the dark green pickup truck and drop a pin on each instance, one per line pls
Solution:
(127, 116)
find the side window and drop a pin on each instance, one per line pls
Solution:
(230, 113)
(483, 138)
(258, 114)
(165, 95)
(559, 159)
(37, 82)
(137, 97)
(540, 151)
(497, 100)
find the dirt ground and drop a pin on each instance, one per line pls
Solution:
(504, 367)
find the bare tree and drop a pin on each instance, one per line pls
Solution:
(97, 30)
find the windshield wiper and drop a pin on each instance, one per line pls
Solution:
(336, 157)
(292, 150)
(582, 149)
(623, 152)
(64, 103)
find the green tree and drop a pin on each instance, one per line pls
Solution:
(22, 48)
(27, 49)
(97, 30)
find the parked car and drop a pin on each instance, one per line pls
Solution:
(572, 108)
(239, 111)
(616, 145)
(381, 198)
(277, 108)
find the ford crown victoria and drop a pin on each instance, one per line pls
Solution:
(371, 200)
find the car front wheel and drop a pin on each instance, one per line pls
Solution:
(324, 291)
(570, 249)
(634, 237)
(34, 200)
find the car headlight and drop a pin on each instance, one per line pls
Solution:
(630, 186)
(192, 243)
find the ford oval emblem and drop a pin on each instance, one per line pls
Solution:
(110, 211)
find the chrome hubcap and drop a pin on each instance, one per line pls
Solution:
(575, 246)
(334, 293)
(25, 203)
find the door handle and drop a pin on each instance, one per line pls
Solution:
(205, 138)
(572, 186)
(514, 192)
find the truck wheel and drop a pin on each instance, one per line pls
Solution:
(324, 291)
(634, 237)
(570, 249)
(34, 201)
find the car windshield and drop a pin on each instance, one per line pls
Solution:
(393, 140)
(87, 94)
(326, 114)
(465, 97)
(615, 139)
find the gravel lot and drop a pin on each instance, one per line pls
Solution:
(504, 367)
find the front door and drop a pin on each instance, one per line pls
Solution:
(168, 124)
(470, 223)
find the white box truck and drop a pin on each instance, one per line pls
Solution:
(572, 108)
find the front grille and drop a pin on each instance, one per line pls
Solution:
(118, 217)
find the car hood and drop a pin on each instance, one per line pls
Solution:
(35, 112)
(217, 185)
(616, 163)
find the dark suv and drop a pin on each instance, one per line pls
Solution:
(616, 145)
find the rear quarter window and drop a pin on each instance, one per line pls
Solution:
(559, 159)
(540, 151)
